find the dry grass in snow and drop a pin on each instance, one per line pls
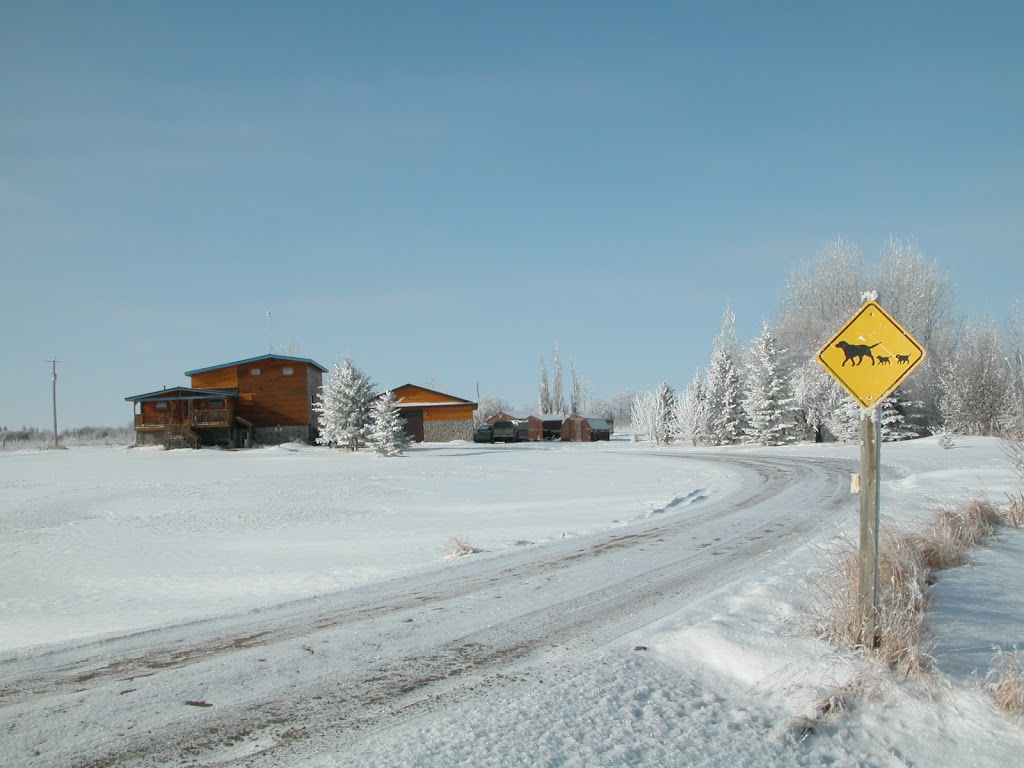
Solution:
(1006, 681)
(459, 547)
(1013, 447)
(906, 565)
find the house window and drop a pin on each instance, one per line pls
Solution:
(255, 372)
(161, 406)
(215, 404)
(288, 371)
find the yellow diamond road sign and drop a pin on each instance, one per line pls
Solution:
(871, 355)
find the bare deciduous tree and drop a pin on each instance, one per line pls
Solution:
(544, 394)
(557, 396)
(820, 296)
(975, 396)
(487, 408)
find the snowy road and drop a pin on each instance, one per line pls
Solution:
(323, 675)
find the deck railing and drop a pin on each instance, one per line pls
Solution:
(211, 417)
(215, 417)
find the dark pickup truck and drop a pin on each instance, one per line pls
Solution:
(502, 431)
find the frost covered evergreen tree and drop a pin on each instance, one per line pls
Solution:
(725, 425)
(665, 403)
(767, 403)
(894, 420)
(343, 406)
(386, 433)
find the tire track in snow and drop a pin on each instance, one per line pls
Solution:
(436, 637)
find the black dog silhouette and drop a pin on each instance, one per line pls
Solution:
(884, 360)
(903, 359)
(857, 352)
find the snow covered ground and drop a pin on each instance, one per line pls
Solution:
(293, 606)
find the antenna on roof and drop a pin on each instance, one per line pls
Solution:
(270, 332)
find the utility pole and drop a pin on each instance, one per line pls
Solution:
(270, 333)
(54, 364)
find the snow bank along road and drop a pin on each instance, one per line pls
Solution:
(321, 673)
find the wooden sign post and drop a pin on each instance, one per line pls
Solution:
(867, 584)
(869, 357)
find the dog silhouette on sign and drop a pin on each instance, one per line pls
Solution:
(855, 353)
(903, 359)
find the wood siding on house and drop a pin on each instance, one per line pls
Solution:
(220, 378)
(267, 399)
(192, 411)
(271, 398)
(436, 406)
(448, 413)
(434, 416)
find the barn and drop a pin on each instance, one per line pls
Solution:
(585, 429)
(434, 417)
(545, 427)
(266, 399)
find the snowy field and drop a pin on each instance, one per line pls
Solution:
(294, 606)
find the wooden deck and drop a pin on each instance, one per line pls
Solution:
(200, 419)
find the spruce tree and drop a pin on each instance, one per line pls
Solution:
(665, 407)
(725, 424)
(767, 403)
(386, 434)
(893, 421)
(343, 407)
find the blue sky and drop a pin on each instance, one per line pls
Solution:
(445, 190)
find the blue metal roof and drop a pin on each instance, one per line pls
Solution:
(183, 393)
(257, 359)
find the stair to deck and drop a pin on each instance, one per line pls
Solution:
(184, 433)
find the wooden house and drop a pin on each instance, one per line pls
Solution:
(434, 417)
(585, 429)
(267, 399)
